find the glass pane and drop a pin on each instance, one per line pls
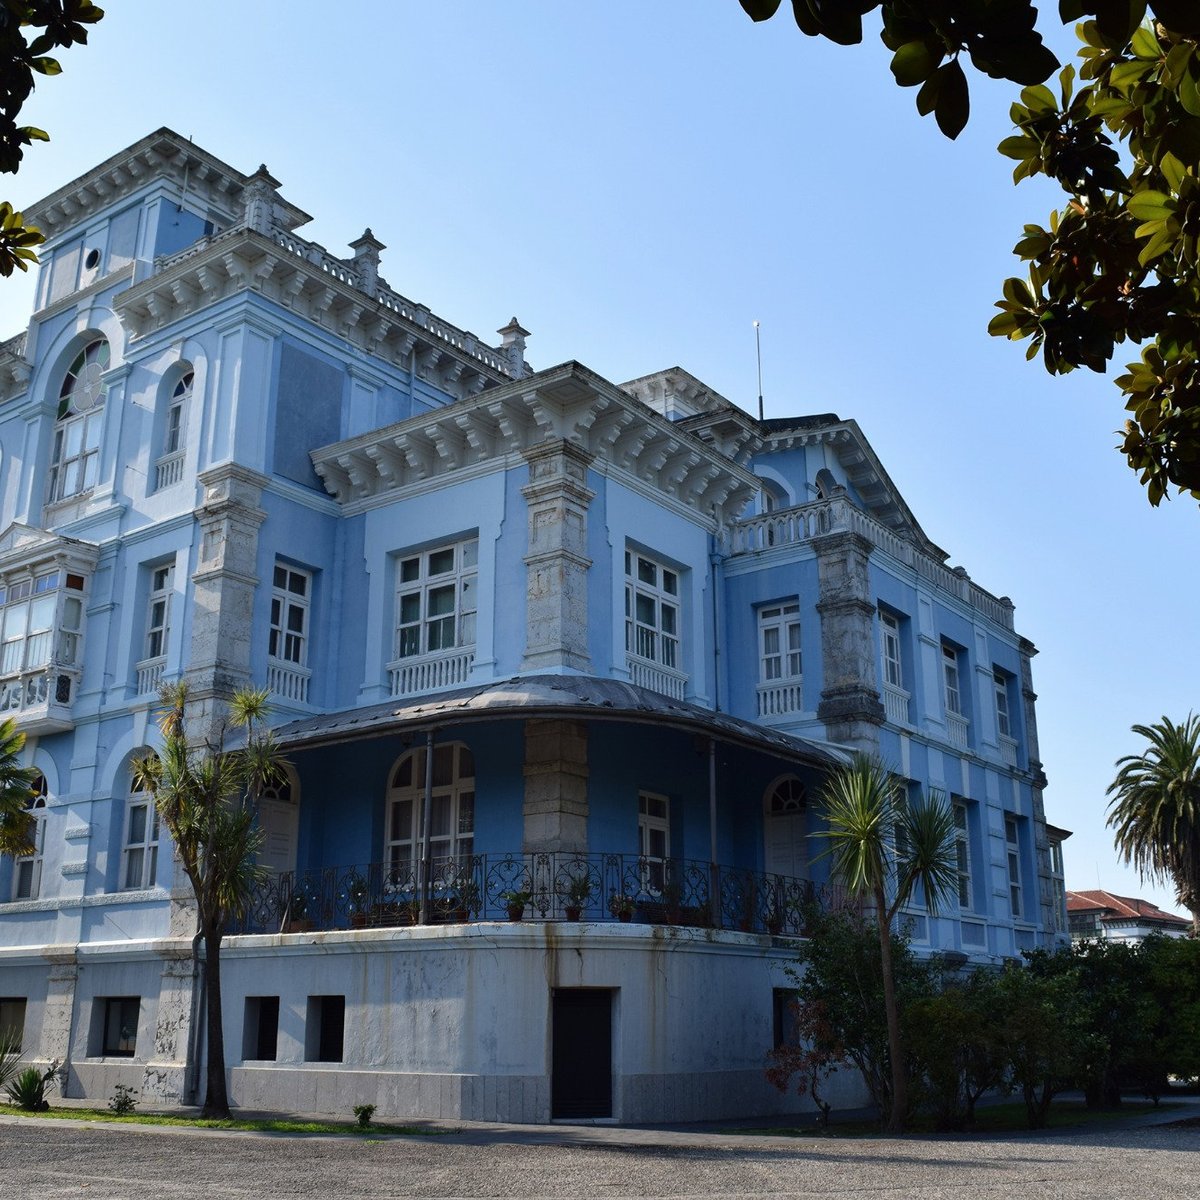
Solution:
(137, 824)
(41, 614)
(443, 766)
(15, 616)
(670, 582)
(133, 868)
(295, 619)
(403, 776)
(441, 634)
(647, 571)
(467, 629)
(468, 593)
(441, 561)
(410, 642)
(646, 610)
(410, 608)
(402, 818)
(466, 813)
(280, 577)
(770, 641)
(466, 763)
(73, 434)
(440, 822)
(470, 553)
(441, 600)
(410, 569)
(297, 583)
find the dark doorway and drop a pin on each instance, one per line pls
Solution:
(582, 1053)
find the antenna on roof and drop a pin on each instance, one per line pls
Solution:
(758, 352)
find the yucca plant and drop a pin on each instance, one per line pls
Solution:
(27, 1089)
(882, 846)
(10, 1054)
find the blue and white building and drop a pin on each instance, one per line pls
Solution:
(526, 632)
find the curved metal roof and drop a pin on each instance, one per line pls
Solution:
(582, 696)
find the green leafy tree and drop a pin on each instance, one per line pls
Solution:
(840, 1005)
(954, 1034)
(1155, 808)
(886, 850)
(1171, 977)
(54, 24)
(1119, 262)
(206, 795)
(16, 793)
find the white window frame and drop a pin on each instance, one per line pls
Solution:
(27, 870)
(1012, 840)
(653, 610)
(175, 427)
(780, 658)
(158, 610)
(139, 853)
(951, 682)
(654, 839)
(452, 836)
(962, 848)
(429, 579)
(1003, 717)
(890, 649)
(286, 642)
(75, 457)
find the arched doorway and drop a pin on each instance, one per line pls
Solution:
(785, 828)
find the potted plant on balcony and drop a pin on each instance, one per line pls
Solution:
(464, 903)
(621, 906)
(516, 902)
(356, 896)
(295, 914)
(576, 896)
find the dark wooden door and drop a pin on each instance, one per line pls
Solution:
(581, 1037)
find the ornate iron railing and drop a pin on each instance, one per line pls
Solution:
(551, 886)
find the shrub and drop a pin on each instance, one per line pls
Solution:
(364, 1113)
(123, 1100)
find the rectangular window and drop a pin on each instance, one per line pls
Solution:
(12, 1019)
(1003, 724)
(290, 594)
(27, 870)
(1013, 848)
(158, 610)
(140, 869)
(889, 636)
(436, 600)
(779, 642)
(324, 1029)
(651, 610)
(260, 1029)
(950, 680)
(119, 1033)
(654, 838)
(962, 849)
(32, 609)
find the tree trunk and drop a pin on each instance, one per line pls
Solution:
(899, 1110)
(216, 1098)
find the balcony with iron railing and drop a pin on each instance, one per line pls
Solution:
(550, 886)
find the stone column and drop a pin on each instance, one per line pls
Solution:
(1048, 884)
(166, 1068)
(513, 348)
(850, 705)
(557, 496)
(259, 197)
(556, 786)
(58, 1017)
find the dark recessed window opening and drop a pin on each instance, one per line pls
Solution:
(325, 1028)
(260, 1029)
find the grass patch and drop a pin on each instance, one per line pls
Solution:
(989, 1120)
(237, 1124)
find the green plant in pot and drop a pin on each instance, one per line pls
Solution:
(576, 895)
(621, 906)
(467, 901)
(516, 902)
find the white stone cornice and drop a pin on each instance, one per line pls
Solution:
(568, 403)
(317, 287)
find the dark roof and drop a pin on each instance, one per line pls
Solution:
(551, 695)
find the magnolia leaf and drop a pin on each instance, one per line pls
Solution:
(913, 63)
(1145, 45)
(760, 10)
(1018, 146)
(953, 106)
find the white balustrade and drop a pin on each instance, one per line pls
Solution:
(287, 680)
(956, 730)
(789, 526)
(168, 470)
(430, 672)
(895, 704)
(779, 699)
(1008, 750)
(150, 674)
(657, 678)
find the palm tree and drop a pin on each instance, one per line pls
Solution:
(16, 792)
(1155, 810)
(207, 797)
(881, 845)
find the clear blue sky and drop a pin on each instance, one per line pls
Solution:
(637, 183)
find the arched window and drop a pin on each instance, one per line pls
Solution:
(139, 859)
(786, 829)
(452, 826)
(76, 459)
(169, 468)
(27, 871)
(825, 483)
